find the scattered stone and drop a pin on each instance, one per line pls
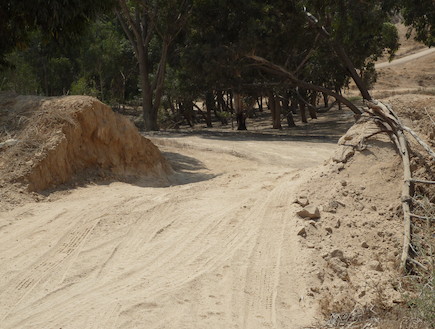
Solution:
(302, 200)
(328, 230)
(332, 206)
(315, 289)
(302, 232)
(373, 207)
(339, 267)
(359, 206)
(309, 212)
(343, 183)
(338, 224)
(364, 245)
(345, 193)
(321, 276)
(312, 223)
(375, 265)
(337, 254)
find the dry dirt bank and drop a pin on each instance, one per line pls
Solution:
(59, 138)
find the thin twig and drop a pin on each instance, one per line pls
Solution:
(421, 217)
(412, 260)
(433, 122)
(422, 181)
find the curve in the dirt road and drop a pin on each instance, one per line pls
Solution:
(406, 58)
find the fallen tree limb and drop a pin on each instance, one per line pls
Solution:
(402, 145)
(422, 181)
(420, 141)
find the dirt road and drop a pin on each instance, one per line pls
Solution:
(406, 59)
(214, 246)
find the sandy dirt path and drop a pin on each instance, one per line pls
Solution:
(406, 59)
(215, 246)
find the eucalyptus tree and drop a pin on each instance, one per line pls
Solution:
(151, 26)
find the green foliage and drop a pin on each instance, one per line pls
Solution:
(106, 61)
(418, 15)
(60, 20)
(101, 65)
(83, 87)
(20, 77)
(391, 38)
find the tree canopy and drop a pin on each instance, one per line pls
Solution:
(180, 50)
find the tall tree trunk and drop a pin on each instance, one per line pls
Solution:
(312, 108)
(302, 108)
(325, 99)
(240, 114)
(287, 111)
(210, 105)
(260, 103)
(277, 116)
(150, 118)
(275, 110)
(293, 105)
(271, 104)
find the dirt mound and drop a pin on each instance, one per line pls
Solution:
(56, 139)
(358, 238)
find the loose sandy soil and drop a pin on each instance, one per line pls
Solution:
(217, 243)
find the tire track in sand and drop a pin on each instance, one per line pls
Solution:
(67, 247)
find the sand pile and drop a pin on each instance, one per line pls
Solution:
(52, 140)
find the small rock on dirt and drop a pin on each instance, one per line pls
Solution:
(302, 232)
(359, 206)
(332, 206)
(375, 265)
(309, 212)
(302, 200)
(339, 267)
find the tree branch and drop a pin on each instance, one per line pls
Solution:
(278, 70)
